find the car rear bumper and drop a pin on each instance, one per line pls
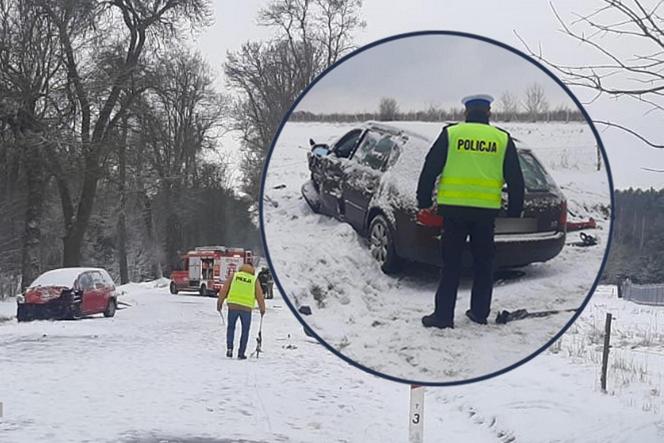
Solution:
(521, 249)
(530, 237)
(511, 250)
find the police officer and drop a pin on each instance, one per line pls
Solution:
(472, 161)
(243, 291)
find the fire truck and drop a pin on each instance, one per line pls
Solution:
(206, 268)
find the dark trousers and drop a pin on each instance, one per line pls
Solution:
(483, 250)
(245, 321)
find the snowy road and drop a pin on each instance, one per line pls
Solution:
(156, 373)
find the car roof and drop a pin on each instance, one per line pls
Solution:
(396, 130)
(62, 276)
(392, 129)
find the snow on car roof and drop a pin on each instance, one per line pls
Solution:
(395, 130)
(61, 277)
(402, 176)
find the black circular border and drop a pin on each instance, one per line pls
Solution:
(416, 34)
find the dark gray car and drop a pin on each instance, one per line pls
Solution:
(368, 178)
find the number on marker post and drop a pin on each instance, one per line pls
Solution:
(416, 425)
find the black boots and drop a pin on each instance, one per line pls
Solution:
(432, 321)
(229, 354)
(474, 319)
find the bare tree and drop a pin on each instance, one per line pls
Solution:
(122, 212)
(180, 115)
(508, 105)
(29, 68)
(635, 74)
(310, 35)
(535, 102)
(94, 100)
(387, 109)
(102, 45)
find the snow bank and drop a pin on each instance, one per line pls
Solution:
(136, 288)
(7, 309)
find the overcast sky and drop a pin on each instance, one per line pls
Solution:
(425, 70)
(235, 23)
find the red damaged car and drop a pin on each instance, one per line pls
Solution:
(68, 293)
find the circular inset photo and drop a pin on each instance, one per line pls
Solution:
(436, 208)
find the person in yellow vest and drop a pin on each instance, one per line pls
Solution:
(471, 162)
(242, 290)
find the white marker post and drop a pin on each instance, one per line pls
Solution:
(416, 421)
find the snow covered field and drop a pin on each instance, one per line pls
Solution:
(374, 319)
(156, 373)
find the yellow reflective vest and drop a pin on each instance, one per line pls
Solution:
(473, 172)
(243, 289)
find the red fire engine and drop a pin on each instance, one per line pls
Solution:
(205, 269)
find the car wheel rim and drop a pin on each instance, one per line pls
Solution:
(379, 241)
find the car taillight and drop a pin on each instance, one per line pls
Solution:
(426, 217)
(562, 221)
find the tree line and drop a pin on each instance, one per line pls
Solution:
(533, 108)
(107, 125)
(637, 248)
(110, 127)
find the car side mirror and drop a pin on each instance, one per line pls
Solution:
(312, 143)
(320, 150)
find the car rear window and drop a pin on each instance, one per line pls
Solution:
(534, 175)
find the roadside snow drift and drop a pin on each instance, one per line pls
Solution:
(374, 319)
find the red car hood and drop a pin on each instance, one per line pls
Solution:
(43, 294)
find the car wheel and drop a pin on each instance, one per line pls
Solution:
(74, 312)
(311, 193)
(110, 308)
(173, 288)
(381, 245)
(23, 313)
(203, 291)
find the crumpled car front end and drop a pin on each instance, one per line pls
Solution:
(47, 302)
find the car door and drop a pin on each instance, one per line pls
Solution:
(363, 173)
(88, 299)
(99, 292)
(328, 172)
(109, 288)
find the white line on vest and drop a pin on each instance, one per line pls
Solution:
(416, 419)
